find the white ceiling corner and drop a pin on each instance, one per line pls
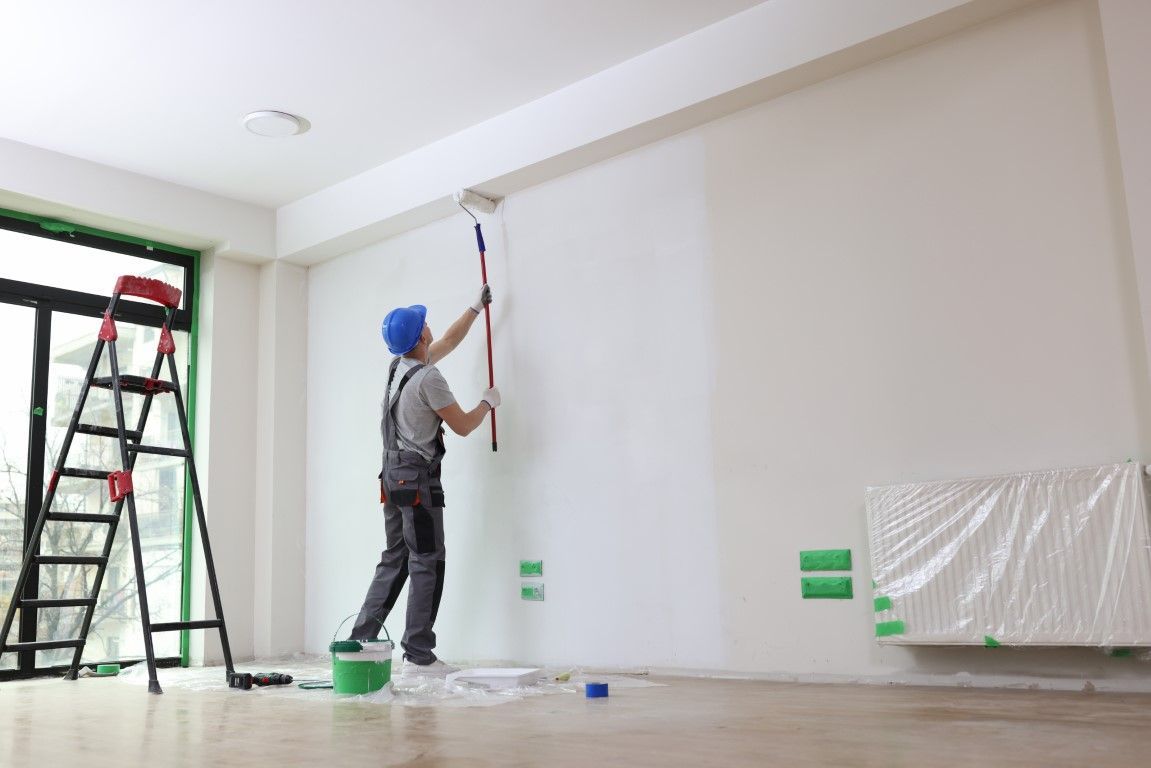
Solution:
(159, 89)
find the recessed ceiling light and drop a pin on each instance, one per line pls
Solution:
(268, 122)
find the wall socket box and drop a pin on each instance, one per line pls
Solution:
(531, 568)
(531, 591)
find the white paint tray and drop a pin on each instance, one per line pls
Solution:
(497, 677)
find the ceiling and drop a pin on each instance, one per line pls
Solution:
(159, 88)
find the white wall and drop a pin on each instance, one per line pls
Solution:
(278, 534)
(226, 450)
(710, 346)
(1126, 27)
(589, 332)
(920, 271)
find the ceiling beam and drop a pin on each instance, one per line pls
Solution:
(46, 183)
(770, 49)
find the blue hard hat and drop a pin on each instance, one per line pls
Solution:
(402, 328)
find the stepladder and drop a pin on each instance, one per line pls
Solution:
(116, 481)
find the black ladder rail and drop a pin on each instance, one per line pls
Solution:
(120, 490)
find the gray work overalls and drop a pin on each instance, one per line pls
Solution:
(414, 524)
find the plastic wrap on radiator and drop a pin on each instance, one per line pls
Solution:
(1060, 557)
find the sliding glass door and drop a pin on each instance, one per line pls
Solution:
(53, 291)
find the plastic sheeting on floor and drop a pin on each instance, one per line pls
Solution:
(408, 692)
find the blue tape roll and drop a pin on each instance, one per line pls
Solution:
(596, 690)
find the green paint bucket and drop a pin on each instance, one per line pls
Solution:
(360, 666)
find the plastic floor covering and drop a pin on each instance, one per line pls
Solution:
(401, 691)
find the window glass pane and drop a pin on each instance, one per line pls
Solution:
(17, 326)
(116, 631)
(75, 267)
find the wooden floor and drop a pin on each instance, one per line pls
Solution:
(104, 722)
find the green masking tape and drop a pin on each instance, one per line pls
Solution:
(825, 560)
(833, 587)
(57, 226)
(889, 628)
(882, 603)
(990, 642)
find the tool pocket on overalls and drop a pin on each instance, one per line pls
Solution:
(402, 485)
(435, 493)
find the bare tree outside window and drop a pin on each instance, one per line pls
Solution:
(117, 610)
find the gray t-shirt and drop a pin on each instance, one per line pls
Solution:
(417, 423)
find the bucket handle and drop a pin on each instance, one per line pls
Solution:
(357, 613)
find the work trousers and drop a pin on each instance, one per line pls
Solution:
(415, 551)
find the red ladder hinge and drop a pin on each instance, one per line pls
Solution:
(108, 328)
(167, 345)
(119, 485)
(52, 483)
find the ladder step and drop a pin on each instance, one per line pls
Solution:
(91, 474)
(77, 602)
(139, 385)
(79, 517)
(176, 625)
(159, 449)
(93, 429)
(71, 559)
(44, 645)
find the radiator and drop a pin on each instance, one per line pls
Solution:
(1059, 557)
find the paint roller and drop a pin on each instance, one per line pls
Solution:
(469, 201)
(472, 201)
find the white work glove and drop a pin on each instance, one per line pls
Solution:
(485, 298)
(492, 397)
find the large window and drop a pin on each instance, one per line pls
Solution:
(54, 286)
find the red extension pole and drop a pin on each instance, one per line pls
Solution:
(488, 323)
